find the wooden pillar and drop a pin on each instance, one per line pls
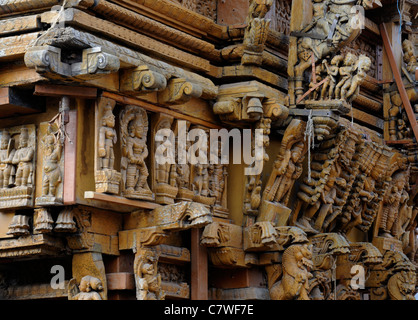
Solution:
(70, 159)
(199, 274)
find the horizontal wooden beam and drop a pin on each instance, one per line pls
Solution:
(153, 108)
(117, 203)
(15, 101)
(52, 90)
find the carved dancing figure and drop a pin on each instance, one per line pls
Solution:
(362, 66)
(7, 170)
(23, 159)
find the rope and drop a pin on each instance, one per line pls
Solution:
(310, 135)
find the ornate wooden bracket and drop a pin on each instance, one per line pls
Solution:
(141, 80)
(179, 91)
(48, 60)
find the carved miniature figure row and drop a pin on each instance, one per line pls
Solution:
(139, 175)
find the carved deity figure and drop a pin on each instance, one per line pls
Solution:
(134, 128)
(23, 159)
(52, 175)
(395, 196)
(107, 138)
(201, 180)
(217, 182)
(147, 278)
(294, 284)
(7, 151)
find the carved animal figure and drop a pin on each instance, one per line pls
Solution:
(294, 285)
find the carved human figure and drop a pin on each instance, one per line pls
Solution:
(6, 157)
(319, 21)
(394, 197)
(23, 159)
(217, 176)
(201, 180)
(136, 152)
(345, 72)
(52, 175)
(331, 78)
(107, 138)
(362, 66)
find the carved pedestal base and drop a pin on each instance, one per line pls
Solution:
(336, 105)
(220, 212)
(107, 181)
(19, 226)
(165, 193)
(46, 201)
(207, 201)
(142, 194)
(16, 197)
(184, 195)
(276, 213)
(385, 244)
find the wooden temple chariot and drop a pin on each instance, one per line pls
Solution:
(87, 87)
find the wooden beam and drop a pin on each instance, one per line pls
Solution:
(153, 108)
(398, 79)
(116, 203)
(15, 101)
(199, 262)
(52, 90)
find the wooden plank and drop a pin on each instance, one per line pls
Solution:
(14, 101)
(70, 160)
(398, 79)
(199, 262)
(52, 90)
(157, 109)
(119, 203)
(366, 118)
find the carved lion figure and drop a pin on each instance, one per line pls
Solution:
(294, 284)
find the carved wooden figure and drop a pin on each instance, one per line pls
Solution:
(52, 175)
(6, 157)
(134, 129)
(107, 178)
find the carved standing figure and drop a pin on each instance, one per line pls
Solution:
(134, 128)
(52, 175)
(395, 196)
(23, 159)
(331, 80)
(7, 152)
(107, 138)
(345, 72)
